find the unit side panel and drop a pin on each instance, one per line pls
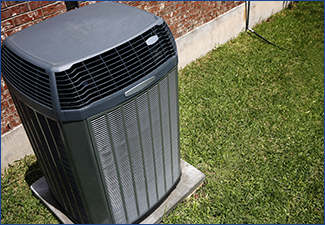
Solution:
(46, 140)
(84, 166)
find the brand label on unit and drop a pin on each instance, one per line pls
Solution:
(152, 40)
(139, 87)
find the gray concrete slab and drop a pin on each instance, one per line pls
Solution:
(41, 190)
(191, 179)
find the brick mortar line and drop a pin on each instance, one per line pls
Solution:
(29, 6)
(22, 14)
(24, 24)
(158, 3)
(186, 12)
(8, 7)
(14, 17)
(198, 17)
(9, 105)
(14, 118)
(55, 3)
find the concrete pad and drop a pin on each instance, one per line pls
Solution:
(41, 190)
(191, 179)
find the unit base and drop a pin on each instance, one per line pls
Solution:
(191, 179)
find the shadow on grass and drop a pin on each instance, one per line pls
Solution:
(33, 173)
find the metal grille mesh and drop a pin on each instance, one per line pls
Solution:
(156, 139)
(145, 137)
(103, 143)
(132, 132)
(29, 79)
(100, 76)
(95, 78)
(163, 91)
(136, 141)
(45, 137)
(174, 126)
(122, 156)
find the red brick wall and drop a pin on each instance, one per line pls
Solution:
(181, 17)
(184, 16)
(84, 3)
(17, 15)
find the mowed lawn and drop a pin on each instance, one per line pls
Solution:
(252, 120)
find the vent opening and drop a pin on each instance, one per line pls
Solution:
(102, 75)
(27, 78)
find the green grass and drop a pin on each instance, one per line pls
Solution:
(18, 204)
(251, 119)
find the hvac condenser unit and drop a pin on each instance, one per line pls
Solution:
(96, 89)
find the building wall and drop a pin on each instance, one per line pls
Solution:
(184, 16)
(181, 16)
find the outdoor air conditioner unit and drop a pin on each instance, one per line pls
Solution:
(97, 92)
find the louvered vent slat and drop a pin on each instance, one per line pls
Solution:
(111, 71)
(27, 78)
